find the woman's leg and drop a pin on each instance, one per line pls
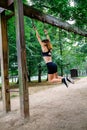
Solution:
(68, 79)
(57, 76)
(53, 78)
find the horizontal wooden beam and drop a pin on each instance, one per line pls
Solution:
(37, 14)
(9, 2)
(3, 3)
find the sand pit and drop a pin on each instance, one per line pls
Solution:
(55, 108)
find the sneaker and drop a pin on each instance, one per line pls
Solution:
(70, 80)
(65, 82)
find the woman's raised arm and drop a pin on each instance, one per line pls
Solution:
(46, 33)
(38, 36)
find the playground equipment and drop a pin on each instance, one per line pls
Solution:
(19, 10)
(21, 53)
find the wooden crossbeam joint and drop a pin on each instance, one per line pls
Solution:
(10, 90)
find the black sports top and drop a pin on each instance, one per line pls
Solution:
(48, 53)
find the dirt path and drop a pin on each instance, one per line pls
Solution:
(56, 108)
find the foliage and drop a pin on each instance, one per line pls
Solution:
(69, 50)
(65, 10)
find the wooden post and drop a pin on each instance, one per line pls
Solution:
(21, 52)
(4, 62)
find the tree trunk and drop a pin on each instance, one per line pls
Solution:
(39, 73)
(60, 43)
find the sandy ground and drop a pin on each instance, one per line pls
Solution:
(55, 108)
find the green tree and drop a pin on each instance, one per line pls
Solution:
(66, 53)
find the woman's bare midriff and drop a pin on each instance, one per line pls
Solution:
(47, 59)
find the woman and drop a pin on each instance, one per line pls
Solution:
(51, 66)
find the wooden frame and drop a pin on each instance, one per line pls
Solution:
(21, 52)
(4, 62)
(19, 8)
(37, 14)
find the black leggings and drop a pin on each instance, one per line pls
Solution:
(52, 67)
